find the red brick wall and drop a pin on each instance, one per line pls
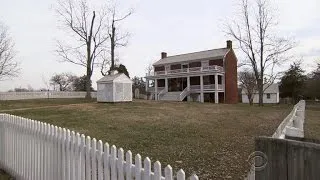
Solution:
(231, 91)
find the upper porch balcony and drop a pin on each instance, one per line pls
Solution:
(213, 68)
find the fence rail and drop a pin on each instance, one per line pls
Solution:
(292, 125)
(43, 95)
(32, 150)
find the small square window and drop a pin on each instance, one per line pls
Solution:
(268, 96)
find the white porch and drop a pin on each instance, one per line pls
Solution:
(191, 88)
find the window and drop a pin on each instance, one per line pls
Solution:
(194, 64)
(268, 96)
(219, 79)
(159, 68)
(175, 66)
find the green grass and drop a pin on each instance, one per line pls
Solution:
(210, 140)
(4, 176)
(312, 122)
(17, 104)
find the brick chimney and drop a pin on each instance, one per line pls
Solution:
(163, 55)
(229, 44)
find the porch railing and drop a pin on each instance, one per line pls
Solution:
(206, 87)
(195, 87)
(162, 92)
(213, 68)
(184, 93)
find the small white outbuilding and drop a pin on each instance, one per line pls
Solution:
(270, 95)
(116, 87)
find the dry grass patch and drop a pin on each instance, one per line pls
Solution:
(312, 122)
(211, 140)
(34, 103)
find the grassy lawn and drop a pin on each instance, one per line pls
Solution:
(312, 123)
(210, 140)
(17, 104)
(4, 176)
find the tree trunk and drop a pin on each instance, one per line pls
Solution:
(112, 41)
(250, 99)
(89, 72)
(260, 91)
(88, 84)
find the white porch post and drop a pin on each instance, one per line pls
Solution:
(216, 95)
(147, 84)
(188, 86)
(166, 84)
(201, 89)
(156, 89)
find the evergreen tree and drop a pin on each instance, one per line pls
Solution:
(293, 82)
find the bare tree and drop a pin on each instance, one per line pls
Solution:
(89, 31)
(149, 68)
(248, 84)
(9, 67)
(64, 81)
(117, 39)
(255, 34)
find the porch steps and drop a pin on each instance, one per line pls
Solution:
(171, 96)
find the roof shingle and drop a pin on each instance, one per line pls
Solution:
(209, 54)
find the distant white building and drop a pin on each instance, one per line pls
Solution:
(270, 95)
(116, 87)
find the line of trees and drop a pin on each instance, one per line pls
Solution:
(70, 82)
(297, 85)
(294, 83)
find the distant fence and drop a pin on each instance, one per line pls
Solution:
(43, 95)
(292, 125)
(32, 150)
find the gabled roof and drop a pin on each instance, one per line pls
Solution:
(209, 54)
(273, 88)
(120, 77)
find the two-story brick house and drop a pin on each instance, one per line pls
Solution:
(206, 76)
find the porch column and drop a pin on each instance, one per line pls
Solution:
(166, 84)
(147, 84)
(156, 89)
(216, 95)
(201, 89)
(188, 86)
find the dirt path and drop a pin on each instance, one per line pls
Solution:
(42, 107)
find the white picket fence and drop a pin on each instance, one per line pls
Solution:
(32, 150)
(43, 95)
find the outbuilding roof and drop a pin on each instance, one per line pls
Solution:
(120, 77)
(209, 54)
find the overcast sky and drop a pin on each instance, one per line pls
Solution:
(178, 26)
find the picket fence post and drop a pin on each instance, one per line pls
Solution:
(129, 165)
(106, 161)
(88, 160)
(138, 167)
(100, 160)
